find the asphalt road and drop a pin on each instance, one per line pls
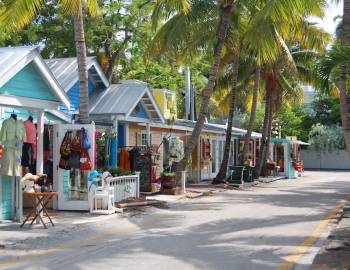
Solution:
(279, 225)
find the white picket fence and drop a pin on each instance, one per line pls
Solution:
(125, 187)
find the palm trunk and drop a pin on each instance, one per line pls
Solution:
(344, 97)
(221, 176)
(269, 127)
(252, 113)
(225, 13)
(82, 66)
(264, 136)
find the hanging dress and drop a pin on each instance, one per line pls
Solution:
(12, 136)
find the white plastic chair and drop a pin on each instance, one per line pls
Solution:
(106, 195)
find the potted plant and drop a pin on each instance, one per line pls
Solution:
(168, 180)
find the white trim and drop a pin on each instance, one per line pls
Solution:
(12, 71)
(60, 115)
(29, 103)
(99, 72)
(155, 105)
(40, 144)
(35, 57)
(137, 120)
(176, 127)
(93, 63)
(136, 103)
(51, 80)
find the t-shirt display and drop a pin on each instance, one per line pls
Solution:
(28, 150)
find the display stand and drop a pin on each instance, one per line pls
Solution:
(72, 185)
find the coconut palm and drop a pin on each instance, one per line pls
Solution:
(283, 78)
(191, 31)
(343, 74)
(18, 13)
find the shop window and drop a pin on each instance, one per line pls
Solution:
(141, 139)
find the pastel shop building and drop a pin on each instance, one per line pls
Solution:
(137, 116)
(28, 90)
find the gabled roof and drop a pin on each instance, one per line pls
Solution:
(14, 59)
(66, 71)
(121, 99)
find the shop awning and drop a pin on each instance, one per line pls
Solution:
(299, 142)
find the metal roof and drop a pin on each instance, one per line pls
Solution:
(13, 59)
(121, 99)
(66, 71)
(191, 124)
(237, 131)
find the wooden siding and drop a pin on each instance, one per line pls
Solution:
(73, 94)
(6, 203)
(141, 113)
(28, 83)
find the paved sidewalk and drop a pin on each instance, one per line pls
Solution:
(335, 254)
(277, 225)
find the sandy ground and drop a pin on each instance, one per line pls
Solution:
(278, 225)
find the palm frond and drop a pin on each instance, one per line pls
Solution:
(18, 13)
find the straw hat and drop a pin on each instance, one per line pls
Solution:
(31, 177)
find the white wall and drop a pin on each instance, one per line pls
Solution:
(339, 159)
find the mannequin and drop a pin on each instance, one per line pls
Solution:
(28, 157)
(12, 135)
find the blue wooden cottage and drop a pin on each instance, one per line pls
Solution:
(114, 105)
(66, 72)
(27, 86)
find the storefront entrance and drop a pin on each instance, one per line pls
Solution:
(71, 184)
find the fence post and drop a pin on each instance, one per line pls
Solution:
(137, 184)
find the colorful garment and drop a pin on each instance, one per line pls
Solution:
(12, 136)
(30, 131)
(124, 159)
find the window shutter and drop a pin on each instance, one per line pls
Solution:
(138, 139)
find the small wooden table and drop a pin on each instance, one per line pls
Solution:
(39, 201)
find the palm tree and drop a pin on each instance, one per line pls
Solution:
(19, 13)
(252, 116)
(225, 8)
(343, 73)
(220, 177)
(271, 32)
(283, 78)
(269, 10)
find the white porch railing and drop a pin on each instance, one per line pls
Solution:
(125, 187)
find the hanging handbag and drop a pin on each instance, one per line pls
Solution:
(85, 161)
(76, 143)
(64, 163)
(65, 145)
(65, 152)
(85, 143)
